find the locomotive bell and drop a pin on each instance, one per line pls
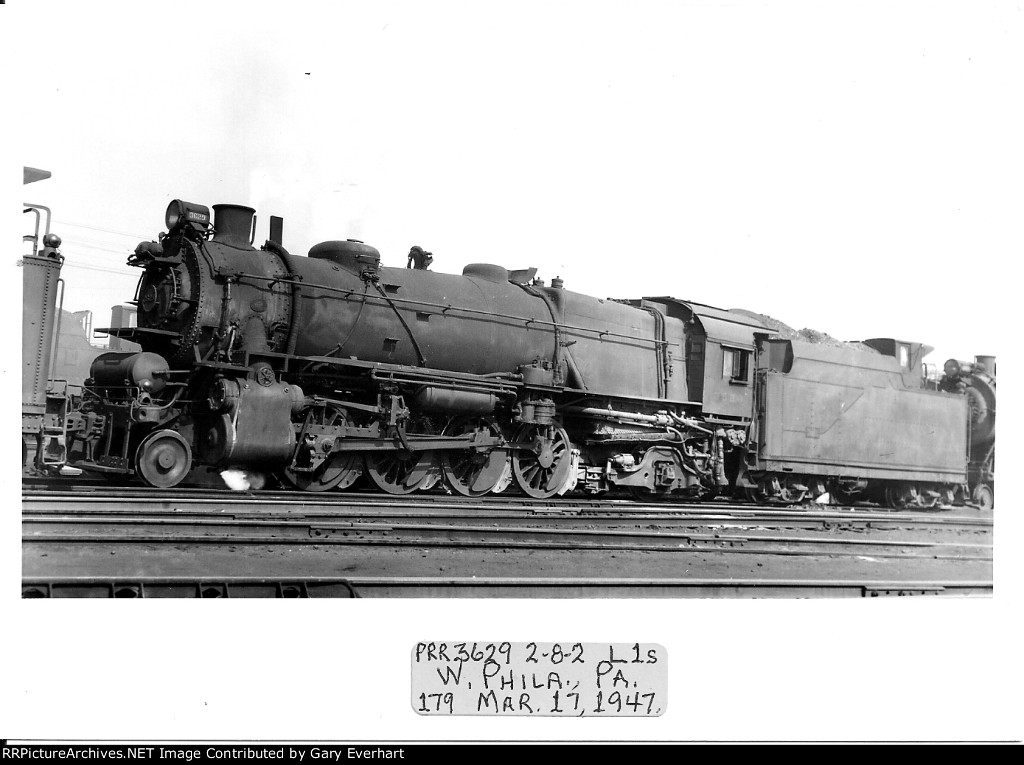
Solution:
(234, 225)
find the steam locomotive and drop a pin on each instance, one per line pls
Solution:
(329, 367)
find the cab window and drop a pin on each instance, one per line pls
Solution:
(735, 364)
(904, 356)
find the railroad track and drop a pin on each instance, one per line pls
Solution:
(440, 505)
(467, 531)
(197, 543)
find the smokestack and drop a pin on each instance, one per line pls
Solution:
(234, 225)
(987, 363)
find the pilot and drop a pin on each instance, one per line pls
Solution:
(419, 259)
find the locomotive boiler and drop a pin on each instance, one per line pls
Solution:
(329, 367)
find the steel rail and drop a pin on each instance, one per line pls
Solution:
(521, 544)
(627, 511)
(438, 527)
(104, 490)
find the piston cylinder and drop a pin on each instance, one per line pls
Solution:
(256, 427)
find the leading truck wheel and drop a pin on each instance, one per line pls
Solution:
(163, 459)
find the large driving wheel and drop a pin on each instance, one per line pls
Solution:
(542, 470)
(399, 472)
(471, 473)
(339, 470)
(163, 459)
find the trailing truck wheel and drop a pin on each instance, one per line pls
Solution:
(543, 470)
(983, 496)
(163, 459)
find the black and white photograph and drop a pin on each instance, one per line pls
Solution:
(615, 361)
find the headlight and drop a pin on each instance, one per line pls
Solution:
(181, 214)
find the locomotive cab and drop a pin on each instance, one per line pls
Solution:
(719, 351)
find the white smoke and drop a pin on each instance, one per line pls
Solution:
(243, 480)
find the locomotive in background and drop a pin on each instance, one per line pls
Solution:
(977, 382)
(57, 354)
(329, 367)
(45, 401)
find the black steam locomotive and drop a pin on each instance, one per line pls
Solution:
(326, 368)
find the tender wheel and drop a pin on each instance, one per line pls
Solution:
(841, 496)
(983, 496)
(469, 473)
(790, 495)
(163, 459)
(771, 489)
(928, 496)
(338, 470)
(399, 472)
(902, 496)
(543, 470)
(754, 494)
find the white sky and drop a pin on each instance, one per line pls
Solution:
(803, 162)
(855, 168)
